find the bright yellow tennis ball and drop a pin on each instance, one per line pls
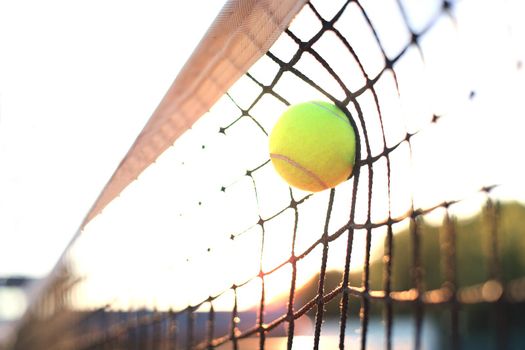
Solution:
(313, 145)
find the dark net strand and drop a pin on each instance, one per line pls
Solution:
(105, 328)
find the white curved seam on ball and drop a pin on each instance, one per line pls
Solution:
(300, 167)
(345, 120)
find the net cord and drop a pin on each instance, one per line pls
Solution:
(242, 32)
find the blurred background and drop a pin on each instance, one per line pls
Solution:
(78, 81)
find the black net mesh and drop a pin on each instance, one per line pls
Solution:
(416, 250)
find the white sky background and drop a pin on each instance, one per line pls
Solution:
(78, 81)
(74, 100)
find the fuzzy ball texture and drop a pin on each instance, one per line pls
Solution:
(313, 146)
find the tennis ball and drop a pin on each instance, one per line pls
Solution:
(313, 145)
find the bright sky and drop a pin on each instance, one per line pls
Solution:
(77, 92)
(78, 81)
